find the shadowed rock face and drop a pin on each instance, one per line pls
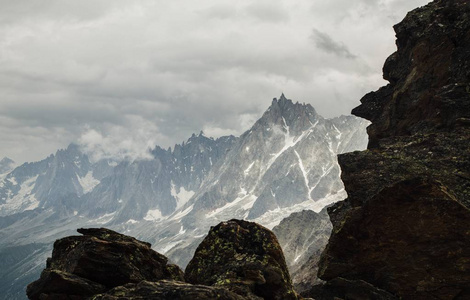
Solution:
(243, 257)
(428, 75)
(165, 290)
(98, 261)
(238, 260)
(405, 227)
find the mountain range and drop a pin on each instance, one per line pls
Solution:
(285, 163)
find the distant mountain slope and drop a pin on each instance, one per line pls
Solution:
(285, 163)
(303, 237)
(287, 158)
(153, 189)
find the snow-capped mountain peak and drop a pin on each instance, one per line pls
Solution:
(284, 163)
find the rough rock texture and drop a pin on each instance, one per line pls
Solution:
(428, 74)
(340, 288)
(405, 227)
(243, 257)
(303, 237)
(98, 261)
(165, 290)
(238, 260)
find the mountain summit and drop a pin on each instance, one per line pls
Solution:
(284, 163)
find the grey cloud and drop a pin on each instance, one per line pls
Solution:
(325, 43)
(220, 11)
(57, 10)
(105, 71)
(262, 11)
(268, 11)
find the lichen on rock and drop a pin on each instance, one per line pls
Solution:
(238, 260)
(243, 257)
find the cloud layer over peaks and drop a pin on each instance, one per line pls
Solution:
(97, 71)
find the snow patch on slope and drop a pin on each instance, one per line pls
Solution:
(182, 197)
(153, 215)
(236, 209)
(88, 182)
(23, 200)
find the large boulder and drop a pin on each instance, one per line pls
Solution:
(238, 260)
(97, 261)
(405, 227)
(243, 257)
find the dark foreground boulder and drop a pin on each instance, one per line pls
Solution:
(99, 260)
(238, 260)
(243, 257)
(405, 227)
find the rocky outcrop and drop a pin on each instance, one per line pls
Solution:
(238, 260)
(405, 227)
(428, 75)
(302, 248)
(97, 261)
(243, 257)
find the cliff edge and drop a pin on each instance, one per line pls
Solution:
(404, 230)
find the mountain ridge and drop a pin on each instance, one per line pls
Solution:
(173, 199)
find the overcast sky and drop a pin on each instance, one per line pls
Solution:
(120, 76)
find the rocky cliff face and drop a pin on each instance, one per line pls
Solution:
(404, 230)
(238, 260)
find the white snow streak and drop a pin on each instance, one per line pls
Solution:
(183, 213)
(290, 141)
(304, 172)
(153, 215)
(103, 219)
(247, 171)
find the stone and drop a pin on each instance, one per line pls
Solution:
(56, 283)
(402, 240)
(165, 289)
(405, 226)
(243, 257)
(98, 261)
